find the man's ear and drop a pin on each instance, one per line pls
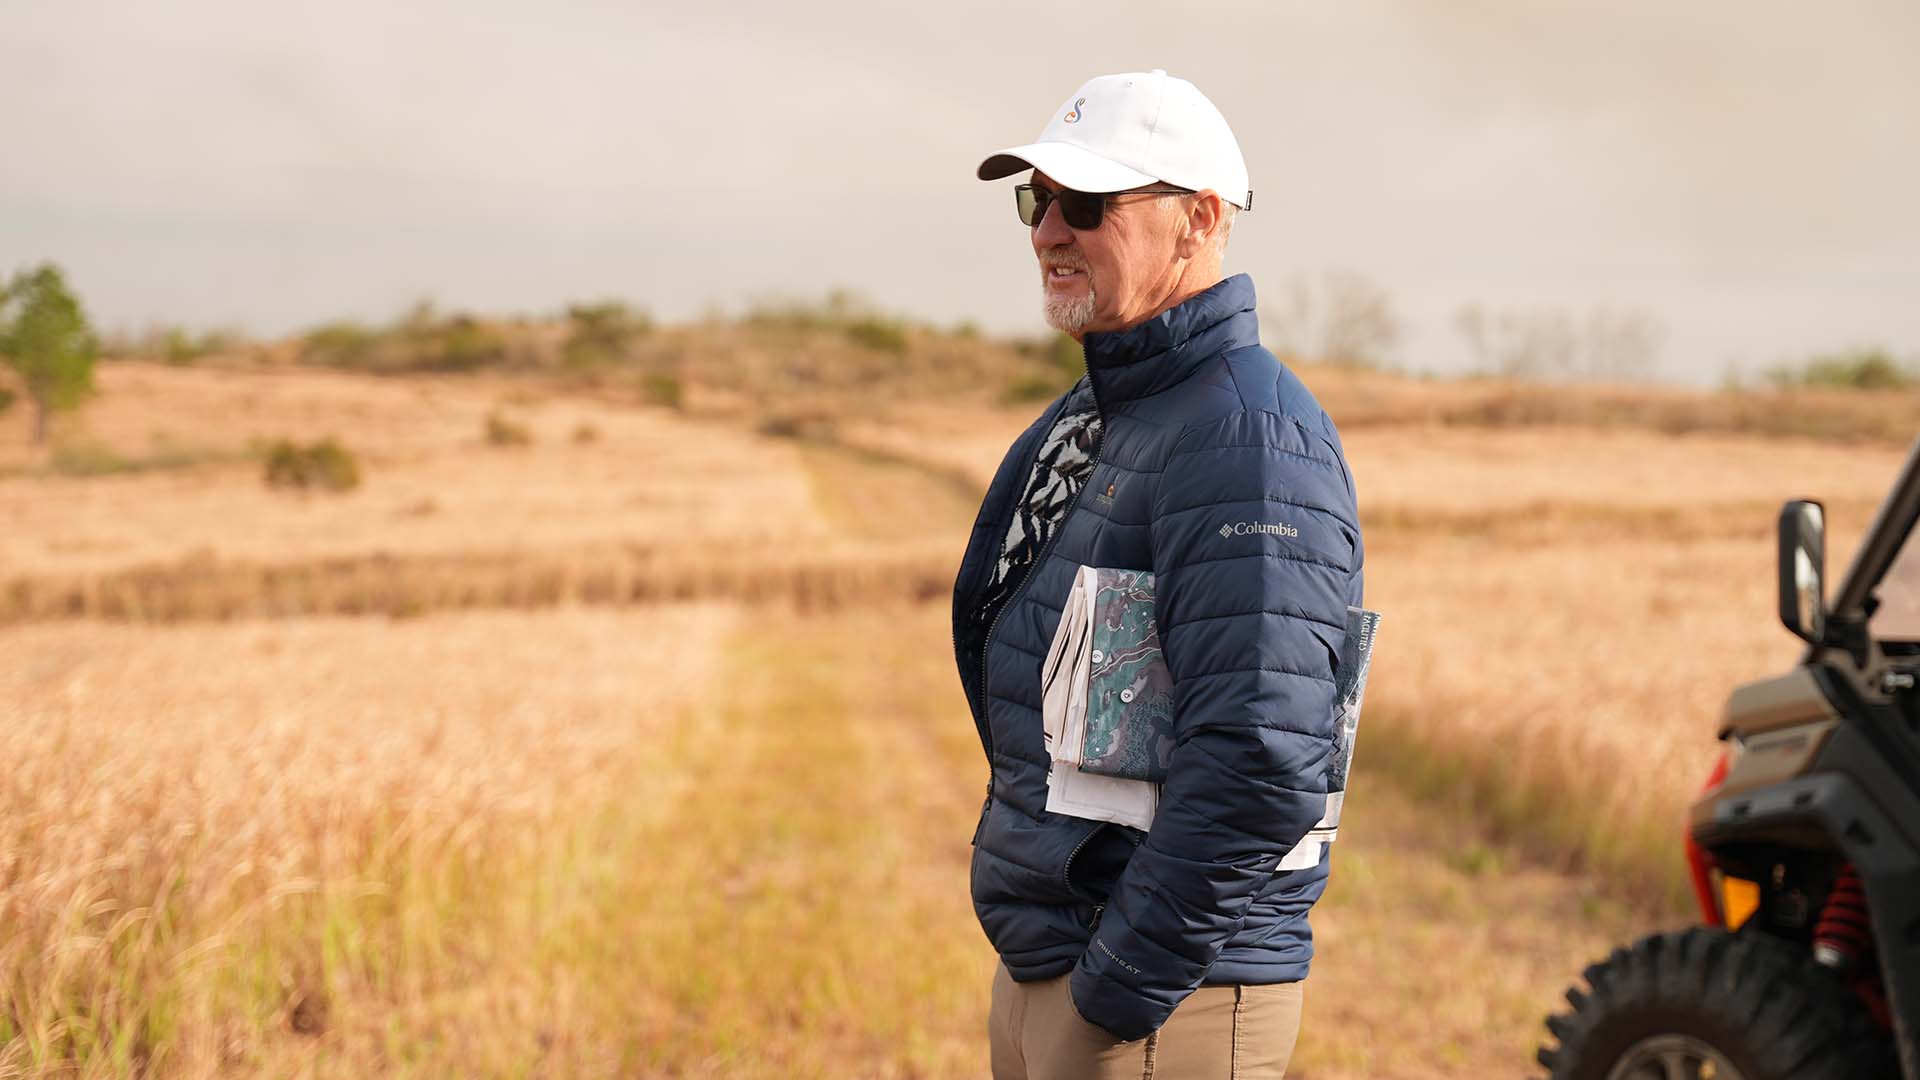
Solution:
(1203, 215)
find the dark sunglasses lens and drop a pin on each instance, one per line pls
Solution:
(1081, 209)
(1026, 199)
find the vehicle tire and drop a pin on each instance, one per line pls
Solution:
(1700, 1003)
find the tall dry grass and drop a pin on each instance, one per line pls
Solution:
(762, 873)
(402, 586)
(1367, 399)
(1566, 612)
(324, 846)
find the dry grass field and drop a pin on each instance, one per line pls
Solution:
(637, 750)
(1569, 610)
(1565, 605)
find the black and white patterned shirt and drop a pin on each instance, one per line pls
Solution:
(1062, 467)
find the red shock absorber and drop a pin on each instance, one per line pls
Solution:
(1700, 865)
(1843, 936)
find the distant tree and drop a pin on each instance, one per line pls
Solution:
(1335, 318)
(1555, 343)
(44, 336)
(1520, 344)
(1622, 344)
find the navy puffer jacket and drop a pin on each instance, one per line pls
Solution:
(1204, 435)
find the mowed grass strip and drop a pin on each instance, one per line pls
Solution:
(805, 911)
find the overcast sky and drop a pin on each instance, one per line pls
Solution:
(1746, 171)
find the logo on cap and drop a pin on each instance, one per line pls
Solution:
(1073, 114)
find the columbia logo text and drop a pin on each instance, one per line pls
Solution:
(1253, 528)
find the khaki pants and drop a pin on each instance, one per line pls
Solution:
(1224, 1032)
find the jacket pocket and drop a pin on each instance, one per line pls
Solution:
(1098, 860)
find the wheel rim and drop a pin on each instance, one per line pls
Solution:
(1673, 1057)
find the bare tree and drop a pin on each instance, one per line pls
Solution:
(1622, 343)
(1335, 317)
(1605, 343)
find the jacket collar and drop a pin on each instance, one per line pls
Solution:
(1125, 365)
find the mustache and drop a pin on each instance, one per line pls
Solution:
(1065, 259)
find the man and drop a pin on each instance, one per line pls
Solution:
(1190, 451)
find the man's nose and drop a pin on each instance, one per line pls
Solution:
(1052, 231)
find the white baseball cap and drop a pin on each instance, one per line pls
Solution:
(1123, 131)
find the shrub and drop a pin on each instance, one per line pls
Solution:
(504, 432)
(1858, 369)
(843, 313)
(663, 389)
(805, 425)
(7, 398)
(179, 349)
(87, 459)
(586, 433)
(601, 333)
(1059, 361)
(420, 340)
(325, 465)
(345, 343)
(465, 344)
(1029, 386)
(581, 355)
(799, 316)
(880, 335)
(1063, 356)
(787, 316)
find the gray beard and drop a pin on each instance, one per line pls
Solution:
(1066, 315)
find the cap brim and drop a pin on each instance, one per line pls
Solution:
(1068, 165)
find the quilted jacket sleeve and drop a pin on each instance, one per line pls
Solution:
(1256, 542)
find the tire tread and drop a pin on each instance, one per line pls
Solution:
(1759, 1000)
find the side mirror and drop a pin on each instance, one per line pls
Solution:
(1803, 560)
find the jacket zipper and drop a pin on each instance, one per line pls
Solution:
(986, 643)
(1066, 871)
(1066, 868)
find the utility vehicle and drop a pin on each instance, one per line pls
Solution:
(1804, 851)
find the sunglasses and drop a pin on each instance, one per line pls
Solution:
(1079, 209)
